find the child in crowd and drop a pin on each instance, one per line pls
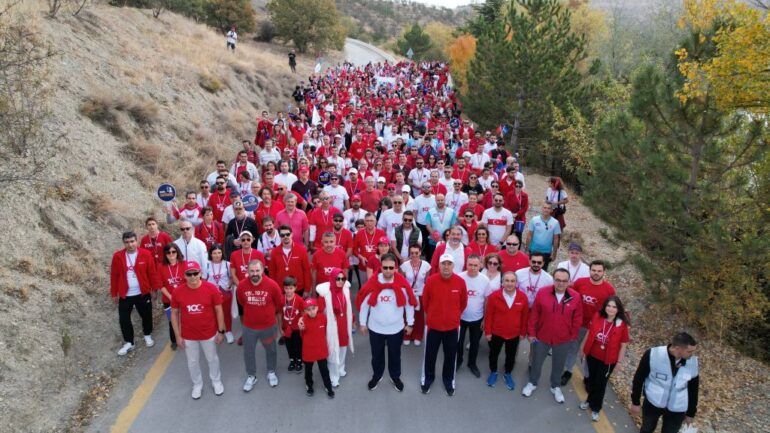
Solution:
(312, 328)
(292, 311)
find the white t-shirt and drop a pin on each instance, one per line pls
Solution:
(448, 183)
(416, 280)
(338, 195)
(555, 195)
(458, 254)
(266, 156)
(389, 220)
(351, 216)
(286, 179)
(455, 200)
(478, 160)
(133, 281)
(580, 271)
(478, 290)
(232, 37)
(530, 283)
(422, 205)
(418, 176)
(494, 283)
(497, 223)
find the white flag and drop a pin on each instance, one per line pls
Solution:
(316, 117)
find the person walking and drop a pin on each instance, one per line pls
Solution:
(603, 347)
(334, 302)
(263, 304)
(543, 236)
(505, 321)
(134, 280)
(416, 271)
(444, 299)
(470, 320)
(553, 322)
(293, 61)
(313, 329)
(669, 377)
(199, 325)
(382, 313)
(232, 38)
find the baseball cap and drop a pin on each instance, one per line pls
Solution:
(466, 154)
(391, 186)
(426, 185)
(575, 247)
(355, 197)
(352, 170)
(446, 258)
(406, 188)
(304, 170)
(380, 179)
(383, 240)
(191, 265)
(245, 233)
(311, 302)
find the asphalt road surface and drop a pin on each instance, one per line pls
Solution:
(360, 53)
(154, 395)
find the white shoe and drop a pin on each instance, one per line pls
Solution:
(407, 342)
(335, 384)
(343, 373)
(219, 388)
(127, 347)
(595, 416)
(272, 379)
(196, 392)
(527, 391)
(417, 342)
(229, 337)
(249, 384)
(583, 405)
(557, 395)
(148, 341)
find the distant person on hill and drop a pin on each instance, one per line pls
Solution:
(293, 61)
(232, 38)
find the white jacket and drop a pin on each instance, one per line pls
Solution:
(332, 339)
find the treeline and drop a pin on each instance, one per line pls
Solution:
(671, 147)
(219, 14)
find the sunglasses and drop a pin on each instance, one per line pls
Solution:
(171, 252)
(341, 279)
(468, 216)
(388, 268)
(407, 220)
(337, 221)
(192, 274)
(511, 244)
(536, 263)
(493, 263)
(184, 229)
(285, 235)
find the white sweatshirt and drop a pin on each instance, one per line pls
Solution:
(386, 317)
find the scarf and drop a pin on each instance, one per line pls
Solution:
(374, 287)
(338, 298)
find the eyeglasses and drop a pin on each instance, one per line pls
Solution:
(407, 220)
(220, 183)
(341, 279)
(337, 221)
(285, 235)
(511, 244)
(561, 281)
(324, 198)
(494, 185)
(493, 263)
(536, 263)
(171, 252)
(205, 187)
(184, 229)
(388, 268)
(192, 274)
(468, 216)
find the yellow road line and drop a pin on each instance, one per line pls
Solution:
(142, 394)
(603, 426)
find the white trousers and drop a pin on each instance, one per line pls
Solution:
(193, 349)
(336, 369)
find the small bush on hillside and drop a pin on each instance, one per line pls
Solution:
(265, 31)
(103, 109)
(210, 83)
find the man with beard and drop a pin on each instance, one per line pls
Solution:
(543, 235)
(220, 199)
(513, 259)
(304, 186)
(327, 258)
(262, 302)
(290, 259)
(533, 278)
(499, 220)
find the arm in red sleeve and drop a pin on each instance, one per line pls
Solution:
(534, 316)
(524, 321)
(489, 316)
(463, 296)
(114, 276)
(155, 280)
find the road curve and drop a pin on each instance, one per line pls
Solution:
(361, 53)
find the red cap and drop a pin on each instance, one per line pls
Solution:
(304, 169)
(311, 302)
(191, 265)
(391, 186)
(383, 240)
(355, 197)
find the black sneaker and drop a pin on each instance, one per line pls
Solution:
(565, 377)
(298, 367)
(173, 345)
(474, 370)
(309, 391)
(329, 393)
(450, 392)
(425, 389)
(292, 365)
(397, 384)
(372, 385)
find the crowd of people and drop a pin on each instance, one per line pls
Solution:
(375, 206)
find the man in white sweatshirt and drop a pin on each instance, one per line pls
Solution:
(382, 315)
(470, 321)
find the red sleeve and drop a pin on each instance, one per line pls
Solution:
(426, 295)
(155, 280)
(271, 266)
(279, 299)
(115, 275)
(534, 316)
(591, 331)
(524, 316)
(307, 276)
(489, 315)
(463, 296)
(216, 295)
(624, 337)
(577, 320)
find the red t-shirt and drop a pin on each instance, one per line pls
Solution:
(512, 263)
(155, 246)
(260, 302)
(197, 314)
(314, 345)
(240, 262)
(172, 276)
(292, 311)
(592, 296)
(324, 262)
(605, 339)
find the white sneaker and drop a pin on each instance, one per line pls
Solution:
(595, 416)
(127, 347)
(196, 392)
(557, 395)
(272, 379)
(527, 391)
(417, 342)
(249, 384)
(148, 341)
(219, 388)
(229, 337)
(407, 342)
(343, 372)
(583, 405)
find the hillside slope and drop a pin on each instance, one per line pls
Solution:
(167, 100)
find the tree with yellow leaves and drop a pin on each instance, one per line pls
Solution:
(738, 76)
(460, 52)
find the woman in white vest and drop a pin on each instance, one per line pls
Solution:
(669, 377)
(334, 301)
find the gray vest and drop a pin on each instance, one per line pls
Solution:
(664, 390)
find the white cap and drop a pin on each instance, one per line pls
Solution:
(245, 233)
(466, 154)
(381, 179)
(446, 258)
(353, 170)
(406, 188)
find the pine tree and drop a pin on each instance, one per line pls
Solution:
(524, 61)
(415, 39)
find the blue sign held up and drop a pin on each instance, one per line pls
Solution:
(250, 202)
(166, 192)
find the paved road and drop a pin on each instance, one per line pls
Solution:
(159, 401)
(360, 53)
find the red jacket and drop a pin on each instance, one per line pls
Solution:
(503, 321)
(298, 264)
(145, 270)
(440, 248)
(314, 345)
(156, 246)
(554, 322)
(443, 301)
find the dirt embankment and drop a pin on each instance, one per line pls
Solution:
(141, 101)
(733, 387)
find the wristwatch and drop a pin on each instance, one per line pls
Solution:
(221, 331)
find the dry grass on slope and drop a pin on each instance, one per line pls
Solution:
(130, 94)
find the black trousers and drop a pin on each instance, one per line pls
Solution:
(323, 368)
(496, 345)
(427, 248)
(378, 342)
(596, 382)
(434, 340)
(546, 261)
(474, 331)
(143, 304)
(172, 336)
(672, 421)
(294, 346)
